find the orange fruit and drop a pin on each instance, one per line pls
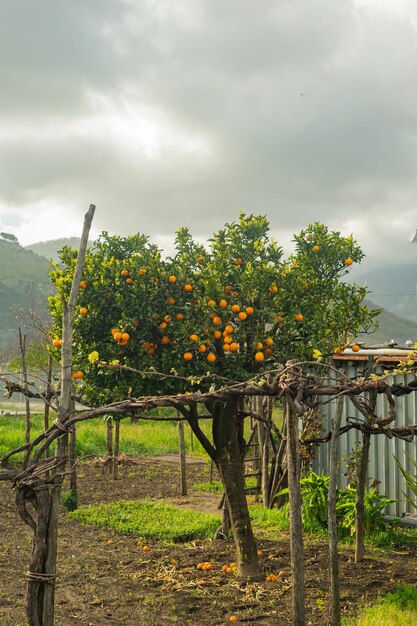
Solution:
(233, 618)
(268, 351)
(259, 345)
(238, 261)
(234, 346)
(188, 287)
(316, 248)
(235, 308)
(129, 281)
(259, 357)
(260, 553)
(269, 341)
(151, 351)
(348, 262)
(217, 334)
(180, 316)
(211, 303)
(225, 568)
(355, 348)
(217, 320)
(171, 301)
(194, 337)
(226, 347)
(83, 310)
(163, 325)
(165, 339)
(167, 319)
(117, 336)
(202, 348)
(125, 336)
(242, 316)
(228, 288)
(146, 548)
(228, 339)
(78, 375)
(188, 356)
(172, 279)
(125, 272)
(223, 304)
(123, 343)
(114, 330)
(57, 343)
(338, 350)
(146, 345)
(228, 329)
(250, 310)
(278, 319)
(211, 358)
(83, 284)
(299, 317)
(109, 542)
(142, 271)
(273, 289)
(293, 266)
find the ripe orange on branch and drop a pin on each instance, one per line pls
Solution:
(57, 343)
(83, 284)
(355, 348)
(250, 310)
(188, 288)
(188, 356)
(299, 317)
(211, 357)
(83, 310)
(223, 304)
(172, 279)
(124, 272)
(348, 262)
(259, 357)
(316, 248)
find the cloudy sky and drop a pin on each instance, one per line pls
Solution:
(168, 113)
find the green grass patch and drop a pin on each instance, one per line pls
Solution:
(144, 437)
(216, 486)
(149, 519)
(269, 520)
(395, 609)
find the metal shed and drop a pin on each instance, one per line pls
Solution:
(382, 465)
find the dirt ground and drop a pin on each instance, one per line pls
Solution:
(119, 584)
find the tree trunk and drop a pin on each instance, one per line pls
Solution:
(72, 457)
(231, 470)
(335, 619)
(183, 464)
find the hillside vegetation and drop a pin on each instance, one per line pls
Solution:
(24, 284)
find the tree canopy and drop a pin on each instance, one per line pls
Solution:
(232, 308)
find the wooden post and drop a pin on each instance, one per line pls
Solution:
(335, 619)
(183, 464)
(294, 487)
(22, 345)
(48, 391)
(62, 445)
(116, 450)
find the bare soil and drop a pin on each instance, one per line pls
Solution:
(119, 584)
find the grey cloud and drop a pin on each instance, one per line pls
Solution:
(309, 111)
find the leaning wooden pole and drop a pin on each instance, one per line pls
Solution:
(65, 406)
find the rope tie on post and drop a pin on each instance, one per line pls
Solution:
(41, 578)
(62, 427)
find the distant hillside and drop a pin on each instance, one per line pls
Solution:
(49, 249)
(394, 288)
(24, 284)
(391, 326)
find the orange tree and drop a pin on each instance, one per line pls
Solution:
(207, 315)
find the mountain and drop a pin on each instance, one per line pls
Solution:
(24, 286)
(49, 249)
(394, 288)
(391, 327)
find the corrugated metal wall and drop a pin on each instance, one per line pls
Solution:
(382, 466)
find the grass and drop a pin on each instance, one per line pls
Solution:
(395, 609)
(144, 437)
(149, 520)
